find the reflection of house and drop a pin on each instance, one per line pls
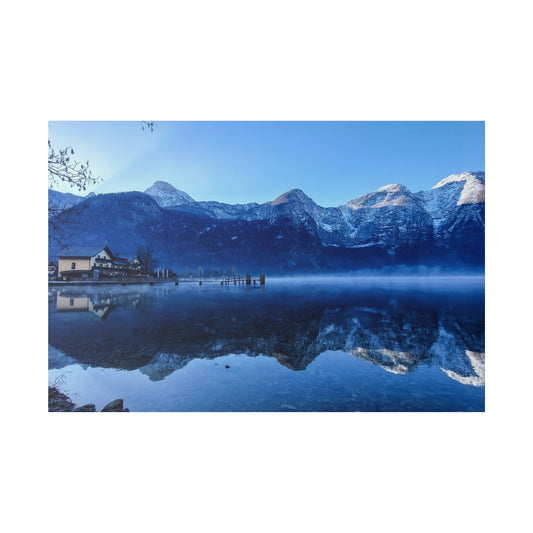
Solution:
(72, 303)
(100, 305)
(93, 262)
(82, 303)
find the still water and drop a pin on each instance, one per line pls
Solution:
(307, 344)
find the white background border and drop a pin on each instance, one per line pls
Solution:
(289, 60)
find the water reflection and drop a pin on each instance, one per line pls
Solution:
(160, 330)
(100, 304)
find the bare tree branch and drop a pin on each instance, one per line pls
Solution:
(149, 124)
(62, 168)
(146, 256)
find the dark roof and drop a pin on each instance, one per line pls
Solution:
(84, 251)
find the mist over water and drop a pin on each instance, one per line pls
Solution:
(329, 343)
(397, 280)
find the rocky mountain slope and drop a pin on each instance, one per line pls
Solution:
(59, 201)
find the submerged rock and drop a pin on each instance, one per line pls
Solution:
(114, 406)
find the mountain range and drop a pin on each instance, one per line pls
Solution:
(391, 227)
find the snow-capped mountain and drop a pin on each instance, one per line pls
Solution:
(390, 226)
(391, 217)
(167, 195)
(443, 202)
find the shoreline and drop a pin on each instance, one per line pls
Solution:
(59, 402)
(107, 282)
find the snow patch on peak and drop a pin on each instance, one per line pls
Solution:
(291, 196)
(394, 195)
(473, 191)
(166, 195)
(394, 188)
(464, 176)
(162, 185)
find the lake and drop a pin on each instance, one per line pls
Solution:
(302, 344)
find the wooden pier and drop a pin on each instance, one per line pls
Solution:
(248, 280)
(228, 280)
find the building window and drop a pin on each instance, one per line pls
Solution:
(73, 266)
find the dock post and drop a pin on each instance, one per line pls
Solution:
(248, 279)
(262, 279)
(199, 283)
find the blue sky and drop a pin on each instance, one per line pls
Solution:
(240, 162)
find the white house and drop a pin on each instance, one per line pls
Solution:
(88, 262)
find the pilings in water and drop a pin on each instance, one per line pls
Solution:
(246, 280)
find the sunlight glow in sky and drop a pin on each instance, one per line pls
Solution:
(241, 162)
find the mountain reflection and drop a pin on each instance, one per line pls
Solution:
(160, 331)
